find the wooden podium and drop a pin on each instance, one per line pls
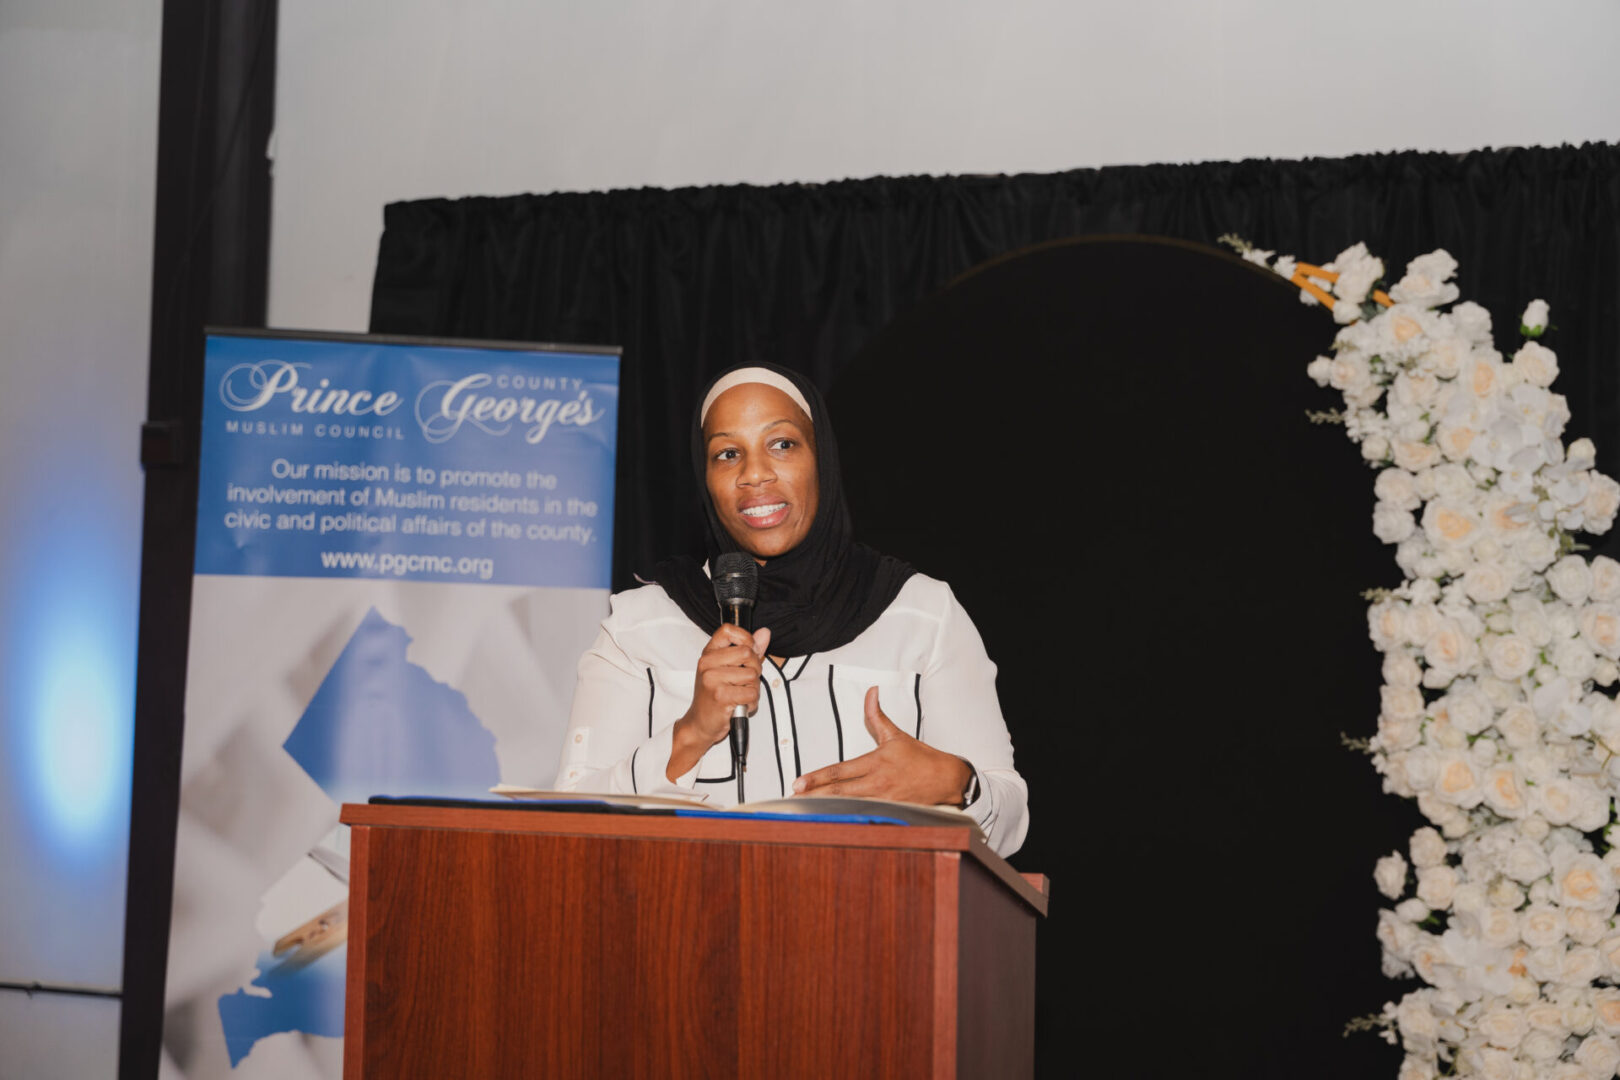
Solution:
(515, 942)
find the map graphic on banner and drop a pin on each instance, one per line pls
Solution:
(402, 549)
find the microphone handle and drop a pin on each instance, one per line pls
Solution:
(740, 613)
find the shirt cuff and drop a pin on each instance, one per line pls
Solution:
(649, 766)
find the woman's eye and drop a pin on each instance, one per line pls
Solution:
(727, 454)
(784, 444)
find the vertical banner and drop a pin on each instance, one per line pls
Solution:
(402, 549)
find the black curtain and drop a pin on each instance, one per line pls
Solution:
(692, 280)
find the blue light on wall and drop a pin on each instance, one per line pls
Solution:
(71, 632)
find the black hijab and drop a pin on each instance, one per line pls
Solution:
(816, 597)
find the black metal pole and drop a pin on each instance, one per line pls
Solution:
(210, 265)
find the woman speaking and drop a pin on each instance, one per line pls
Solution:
(865, 678)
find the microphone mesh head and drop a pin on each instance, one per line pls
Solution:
(736, 578)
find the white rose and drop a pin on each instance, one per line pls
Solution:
(1558, 800)
(1397, 487)
(1390, 875)
(1414, 455)
(1536, 364)
(1606, 1010)
(1450, 649)
(1505, 791)
(1541, 1047)
(1527, 862)
(1499, 927)
(1458, 781)
(1585, 927)
(1574, 659)
(1399, 734)
(1509, 655)
(1541, 925)
(1451, 524)
(1538, 550)
(1505, 894)
(1472, 322)
(1534, 320)
(1598, 1055)
(1601, 503)
(1358, 269)
(1605, 579)
(1318, 370)
(1412, 910)
(1545, 964)
(1401, 670)
(1581, 880)
(1414, 1067)
(1487, 582)
(1503, 1026)
(1375, 449)
(1401, 702)
(1436, 885)
(1391, 524)
(1605, 672)
(1349, 372)
(1427, 848)
(1386, 623)
(1518, 726)
(1571, 578)
(1546, 1016)
(1600, 629)
(1426, 282)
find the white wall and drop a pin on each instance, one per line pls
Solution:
(78, 136)
(380, 100)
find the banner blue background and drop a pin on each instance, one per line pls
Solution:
(413, 462)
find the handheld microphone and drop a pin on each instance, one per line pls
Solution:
(736, 584)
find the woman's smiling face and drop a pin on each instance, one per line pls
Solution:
(761, 468)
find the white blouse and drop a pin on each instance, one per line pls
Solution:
(923, 654)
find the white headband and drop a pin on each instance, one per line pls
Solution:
(753, 375)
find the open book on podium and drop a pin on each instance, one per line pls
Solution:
(846, 810)
(563, 934)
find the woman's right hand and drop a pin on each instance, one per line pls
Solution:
(727, 676)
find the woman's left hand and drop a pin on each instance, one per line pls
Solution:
(902, 768)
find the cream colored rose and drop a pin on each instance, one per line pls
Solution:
(1499, 927)
(1458, 780)
(1427, 848)
(1396, 487)
(1581, 880)
(1505, 893)
(1510, 656)
(1546, 1016)
(1505, 791)
(1526, 862)
(1487, 582)
(1600, 629)
(1605, 579)
(1401, 670)
(1414, 455)
(1557, 800)
(1349, 371)
(1455, 441)
(1450, 524)
(1450, 649)
(1536, 364)
(1386, 623)
(1581, 966)
(1540, 1047)
(1545, 964)
(1503, 1026)
(1530, 621)
(1391, 524)
(1436, 885)
(1601, 503)
(1390, 875)
(1518, 726)
(1401, 702)
(1541, 925)
(1585, 927)
(1537, 550)
(1571, 578)
(1399, 734)
(1414, 1067)
(1606, 1010)
(1598, 1055)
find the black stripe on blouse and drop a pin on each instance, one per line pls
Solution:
(838, 723)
